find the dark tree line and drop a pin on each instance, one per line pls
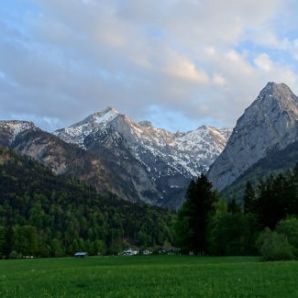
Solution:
(208, 224)
(46, 215)
(273, 199)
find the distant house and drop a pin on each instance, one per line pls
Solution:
(80, 254)
(130, 252)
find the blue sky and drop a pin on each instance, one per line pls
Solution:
(178, 63)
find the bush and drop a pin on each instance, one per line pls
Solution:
(289, 228)
(274, 246)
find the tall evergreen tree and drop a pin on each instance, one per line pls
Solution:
(249, 198)
(233, 206)
(193, 216)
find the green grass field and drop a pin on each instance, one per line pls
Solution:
(148, 276)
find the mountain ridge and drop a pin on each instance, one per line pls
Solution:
(270, 122)
(144, 130)
(112, 152)
(163, 161)
(139, 162)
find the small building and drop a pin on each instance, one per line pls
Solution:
(80, 254)
(130, 252)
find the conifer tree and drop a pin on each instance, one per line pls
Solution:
(249, 198)
(193, 216)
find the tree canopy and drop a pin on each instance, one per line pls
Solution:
(192, 222)
(46, 215)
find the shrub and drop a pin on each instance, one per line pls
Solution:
(289, 228)
(274, 246)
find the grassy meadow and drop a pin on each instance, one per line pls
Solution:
(148, 276)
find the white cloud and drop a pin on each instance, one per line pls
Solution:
(218, 79)
(264, 62)
(181, 67)
(78, 56)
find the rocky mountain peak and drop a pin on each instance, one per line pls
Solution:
(279, 95)
(109, 109)
(275, 102)
(276, 88)
(271, 121)
(145, 123)
(100, 118)
(77, 132)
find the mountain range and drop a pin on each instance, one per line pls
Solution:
(139, 162)
(134, 160)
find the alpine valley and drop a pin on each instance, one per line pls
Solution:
(140, 163)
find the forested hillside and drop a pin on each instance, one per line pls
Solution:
(45, 215)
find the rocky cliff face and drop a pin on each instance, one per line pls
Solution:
(270, 123)
(151, 164)
(275, 162)
(61, 157)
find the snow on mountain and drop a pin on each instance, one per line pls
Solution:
(188, 153)
(15, 127)
(136, 161)
(76, 133)
(151, 164)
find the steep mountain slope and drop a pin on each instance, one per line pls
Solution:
(152, 164)
(61, 157)
(9, 130)
(276, 161)
(269, 124)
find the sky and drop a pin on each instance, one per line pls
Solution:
(177, 63)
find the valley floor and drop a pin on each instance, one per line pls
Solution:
(148, 276)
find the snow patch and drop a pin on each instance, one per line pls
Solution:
(16, 127)
(187, 153)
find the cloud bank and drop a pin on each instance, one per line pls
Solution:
(179, 63)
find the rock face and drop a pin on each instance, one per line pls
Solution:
(150, 164)
(61, 157)
(269, 124)
(276, 161)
